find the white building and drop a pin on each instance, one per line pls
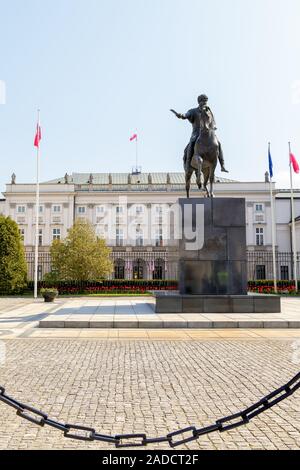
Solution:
(128, 210)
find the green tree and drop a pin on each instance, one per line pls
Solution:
(13, 266)
(81, 256)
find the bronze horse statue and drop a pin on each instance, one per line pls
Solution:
(206, 154)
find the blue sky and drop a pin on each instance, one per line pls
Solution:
(100, 69)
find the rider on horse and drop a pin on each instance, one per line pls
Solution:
(194, 116)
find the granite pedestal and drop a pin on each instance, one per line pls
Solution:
(176, 303)
(213, 261)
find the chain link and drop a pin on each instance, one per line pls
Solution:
(83, 433)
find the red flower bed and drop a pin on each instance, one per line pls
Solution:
(283, 288)
(108, 286)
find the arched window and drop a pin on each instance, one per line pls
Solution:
(159, 269)
(119, 269)
(139, 270)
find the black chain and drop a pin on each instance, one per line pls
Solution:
(83, 433)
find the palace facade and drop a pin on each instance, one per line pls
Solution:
(131, 212)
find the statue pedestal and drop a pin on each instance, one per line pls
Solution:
(219, 267)
(213, 261)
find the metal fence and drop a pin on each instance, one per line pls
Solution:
(44, 265)
(259, 265)
(127, 265)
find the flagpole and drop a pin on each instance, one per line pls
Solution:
(37, 205)
(273, 230)
(294, 244)
(136, 150)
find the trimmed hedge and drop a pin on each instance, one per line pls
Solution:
(117, 286)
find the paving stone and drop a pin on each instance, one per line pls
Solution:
(51, 324)
(156, 385)
(126, 324)
(77, 324)
(276, 324)
(174, 324)
(225, 324)
(294, 324)
(199, 324)
(150, 324)
(101, 324)
(250, 324)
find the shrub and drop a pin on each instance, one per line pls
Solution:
(13, 267)
(81, 255)
(117, 286)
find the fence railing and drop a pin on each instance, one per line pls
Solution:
(259, 265)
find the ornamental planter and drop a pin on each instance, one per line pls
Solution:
(49, 295)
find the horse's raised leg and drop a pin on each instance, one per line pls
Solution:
(206, 177)
(212, 180)
(188, 176)
(199, 171)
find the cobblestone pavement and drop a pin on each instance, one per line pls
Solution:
(128, 385)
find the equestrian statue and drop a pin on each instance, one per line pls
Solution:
(204, 149)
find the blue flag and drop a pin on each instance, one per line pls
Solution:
(270, 164)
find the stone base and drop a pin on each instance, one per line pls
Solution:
(176, 303)
(214, 262)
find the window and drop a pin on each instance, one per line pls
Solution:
(119, 210)
(139, 210)
(100, 210)
(159, 238)
(56, 208)
(260, 272)
(41, 209)
(158, 210)
(139, 240)
(21, 209)
(284, 273)
(138, 269)
(56, 234)
(259, 208)
(81, 210)
(119, 269)
(259, 232)
(22, 233)
(159, 269)
(40, 272)
(119, 214)
(40, 236)
(119, 237)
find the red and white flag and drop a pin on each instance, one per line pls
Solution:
(294, 163)
(38, 136)
(133, 137)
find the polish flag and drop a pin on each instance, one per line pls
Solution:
(38, 136)
(294, 163)
(133, 137)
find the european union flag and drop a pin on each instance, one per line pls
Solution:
(270, 164)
